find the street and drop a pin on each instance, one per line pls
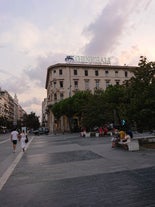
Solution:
(69, 170)
(6, 155)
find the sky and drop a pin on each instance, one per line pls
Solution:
(35, 34)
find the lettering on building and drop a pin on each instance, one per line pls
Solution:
(88, 60)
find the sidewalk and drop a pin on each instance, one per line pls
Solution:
(71, 171)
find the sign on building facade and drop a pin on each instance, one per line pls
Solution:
(88, 60)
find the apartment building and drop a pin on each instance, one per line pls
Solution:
(6, 105)
(10, 108)
(64, 79)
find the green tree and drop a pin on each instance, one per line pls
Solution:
(31, 121)
(141, 95)
(80, 99)
(117, 103)
(71, 107)
(64, 108)
(94, 111)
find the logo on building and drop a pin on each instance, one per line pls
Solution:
(88, 60)
(69, 58)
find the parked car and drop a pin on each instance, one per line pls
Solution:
(41, 130)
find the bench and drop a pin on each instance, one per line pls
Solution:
(93, 134)
(149, 138)
(134, 144)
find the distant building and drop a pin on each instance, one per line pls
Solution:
(10, 108)
(44, 113)
(7, 106)
(64, 79)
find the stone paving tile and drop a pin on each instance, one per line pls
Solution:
(128, 188)
(61, 157)
(40, 178)
(82, 141)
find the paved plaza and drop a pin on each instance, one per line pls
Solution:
(71, 171)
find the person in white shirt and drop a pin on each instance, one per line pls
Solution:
(22, 140)
(14, 139)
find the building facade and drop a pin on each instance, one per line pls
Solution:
(7, 106)
(10, 108)
(44, 114)
(64, 79)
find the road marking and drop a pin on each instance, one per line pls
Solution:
(4, 141)
(11, 168)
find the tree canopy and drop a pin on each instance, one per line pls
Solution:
(31, 121)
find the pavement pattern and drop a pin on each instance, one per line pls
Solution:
(71, 171)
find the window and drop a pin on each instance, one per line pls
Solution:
(76, 84)
(86, 72)
(55, 97)
(48, 98)
(61, 84)
(60, 72)
(107, 82)
(126, 74)
(54, 71)
(86, 84)
(96, 73)
(116, 73)
(106, 72)
(97, 84)
(117, 82)
(55, 84)
(75, 72)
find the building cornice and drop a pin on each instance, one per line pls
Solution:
(90, 66)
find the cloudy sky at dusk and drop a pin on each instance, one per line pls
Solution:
(35, 34)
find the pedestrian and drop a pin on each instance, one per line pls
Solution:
(100, 130)
(115, 139)
(23, 137)
(122, 134)
(14, 139)
(129, 132)
(105, 130)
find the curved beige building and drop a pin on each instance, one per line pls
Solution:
(64, 79)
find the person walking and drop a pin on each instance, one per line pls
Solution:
(14, 139)
(22, 140)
